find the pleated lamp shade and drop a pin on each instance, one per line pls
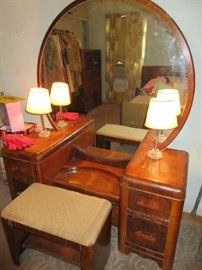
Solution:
(161, 114)
(38, 101)
(60, 95)
(167, 94)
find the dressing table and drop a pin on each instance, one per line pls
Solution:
(147, 195)
(152, 193)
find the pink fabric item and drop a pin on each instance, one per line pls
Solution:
(67, 116)
(149, 87)
(16, 142)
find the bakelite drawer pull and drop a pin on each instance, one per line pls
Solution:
(150, 205)
(145, 236)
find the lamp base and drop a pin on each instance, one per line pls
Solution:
(161, 137)
(154, 153)
(61, 124)
(44, 133)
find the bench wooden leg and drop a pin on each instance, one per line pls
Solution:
(15, 239)
(87, 257)
(96, 256)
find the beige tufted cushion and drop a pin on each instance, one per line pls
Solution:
(67, 214)
(122, 132)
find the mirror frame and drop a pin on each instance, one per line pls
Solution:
(170, 23)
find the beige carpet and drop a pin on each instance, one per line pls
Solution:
(187, 246)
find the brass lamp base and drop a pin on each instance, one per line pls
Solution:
(154, 153)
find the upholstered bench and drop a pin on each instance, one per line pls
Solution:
(63, 223)
(119, 133)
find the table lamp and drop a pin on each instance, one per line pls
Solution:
(60, 96)
(161, 115)
(38, 102)
(165, 94)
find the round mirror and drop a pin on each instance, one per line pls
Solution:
(120, 51)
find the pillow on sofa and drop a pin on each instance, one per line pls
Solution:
(179, 83)
(150, 86)
(161, 86)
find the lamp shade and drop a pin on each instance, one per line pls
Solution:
(161, 114)
(38, 101)
(60, 95)
(167, 94)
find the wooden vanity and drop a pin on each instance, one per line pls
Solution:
(149, 197)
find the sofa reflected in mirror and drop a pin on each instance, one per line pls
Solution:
(154, 78)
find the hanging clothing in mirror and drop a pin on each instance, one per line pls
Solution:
(62, 61)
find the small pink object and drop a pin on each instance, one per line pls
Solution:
(67, 116)
(16, 142)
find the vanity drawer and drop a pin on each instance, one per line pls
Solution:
(19, 170)
(148, 203)
(146, 233)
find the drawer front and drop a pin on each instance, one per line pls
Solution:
(19, 170)
(149, 204)
(146, 233)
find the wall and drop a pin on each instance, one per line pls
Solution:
(74, 23)
(23, 25)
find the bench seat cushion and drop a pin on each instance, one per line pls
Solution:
(67, 214)
(122, 132)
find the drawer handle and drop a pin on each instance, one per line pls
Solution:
(145, 236)
(149, 205)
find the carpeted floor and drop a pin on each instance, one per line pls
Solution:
(187, 246)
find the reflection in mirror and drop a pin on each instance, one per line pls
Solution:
(116, 51)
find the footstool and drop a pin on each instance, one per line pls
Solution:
(62, 223)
